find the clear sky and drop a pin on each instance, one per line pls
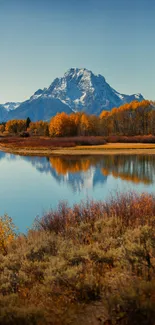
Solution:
(41, 39)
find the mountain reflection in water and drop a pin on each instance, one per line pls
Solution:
(83, 172)
(31, 185)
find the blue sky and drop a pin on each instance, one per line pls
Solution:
(41, 39)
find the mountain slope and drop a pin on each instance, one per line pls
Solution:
(80, 89)
(10, 106)
(77, 90)
(3, 114)
(39, 108)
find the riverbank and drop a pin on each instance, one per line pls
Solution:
(109, 149)
(48, 147)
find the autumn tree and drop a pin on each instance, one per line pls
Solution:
(39, 128)
(129, 119)
(7, 233)
(105, 123)
(142, 117)
(61, 125)
(88, 124)
(15, 126)
(94, 125)
(152, 122)
(75, 120)
(2, 128)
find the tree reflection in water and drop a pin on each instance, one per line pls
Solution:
(81, 171)
(134, 168)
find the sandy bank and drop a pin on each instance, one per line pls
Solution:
(108, 149)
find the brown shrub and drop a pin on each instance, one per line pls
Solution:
(92, 263)
(129, 208)
(131, 139)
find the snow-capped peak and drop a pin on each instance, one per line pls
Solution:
(82, 90)
(138, 96)
(10, 106)
(76, 72)
(79, 89)
(38, 94)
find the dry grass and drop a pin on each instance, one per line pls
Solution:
(74, 145)
(44, 145)
(111, 146)
(46, 142)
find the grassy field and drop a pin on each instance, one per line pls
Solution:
(91, 264)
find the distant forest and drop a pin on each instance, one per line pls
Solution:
(135, 118)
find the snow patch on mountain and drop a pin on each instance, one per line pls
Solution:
(11, 106)
(119, 95)
(138, 96)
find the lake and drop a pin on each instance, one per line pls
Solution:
(30, 186)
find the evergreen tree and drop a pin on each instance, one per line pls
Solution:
(28, 121)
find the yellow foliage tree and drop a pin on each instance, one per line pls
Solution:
(104, 114)
(7, 233)
(2, 128)
(129, 119)
(15, 126)
(39, 128)
(75, 120)
(61, 125)
(89, 124)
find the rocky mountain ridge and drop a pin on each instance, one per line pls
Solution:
(77, 90)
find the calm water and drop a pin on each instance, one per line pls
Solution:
(29, 186)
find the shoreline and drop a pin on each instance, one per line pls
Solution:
(108, 149)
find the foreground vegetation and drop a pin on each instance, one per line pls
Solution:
(90, 264)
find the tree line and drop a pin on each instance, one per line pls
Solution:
(135, 118)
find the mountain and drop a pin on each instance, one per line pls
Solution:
(6, 108)
(77, 90)
(10, 106)
(39, 108)
(3, 114)
(82, 90)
